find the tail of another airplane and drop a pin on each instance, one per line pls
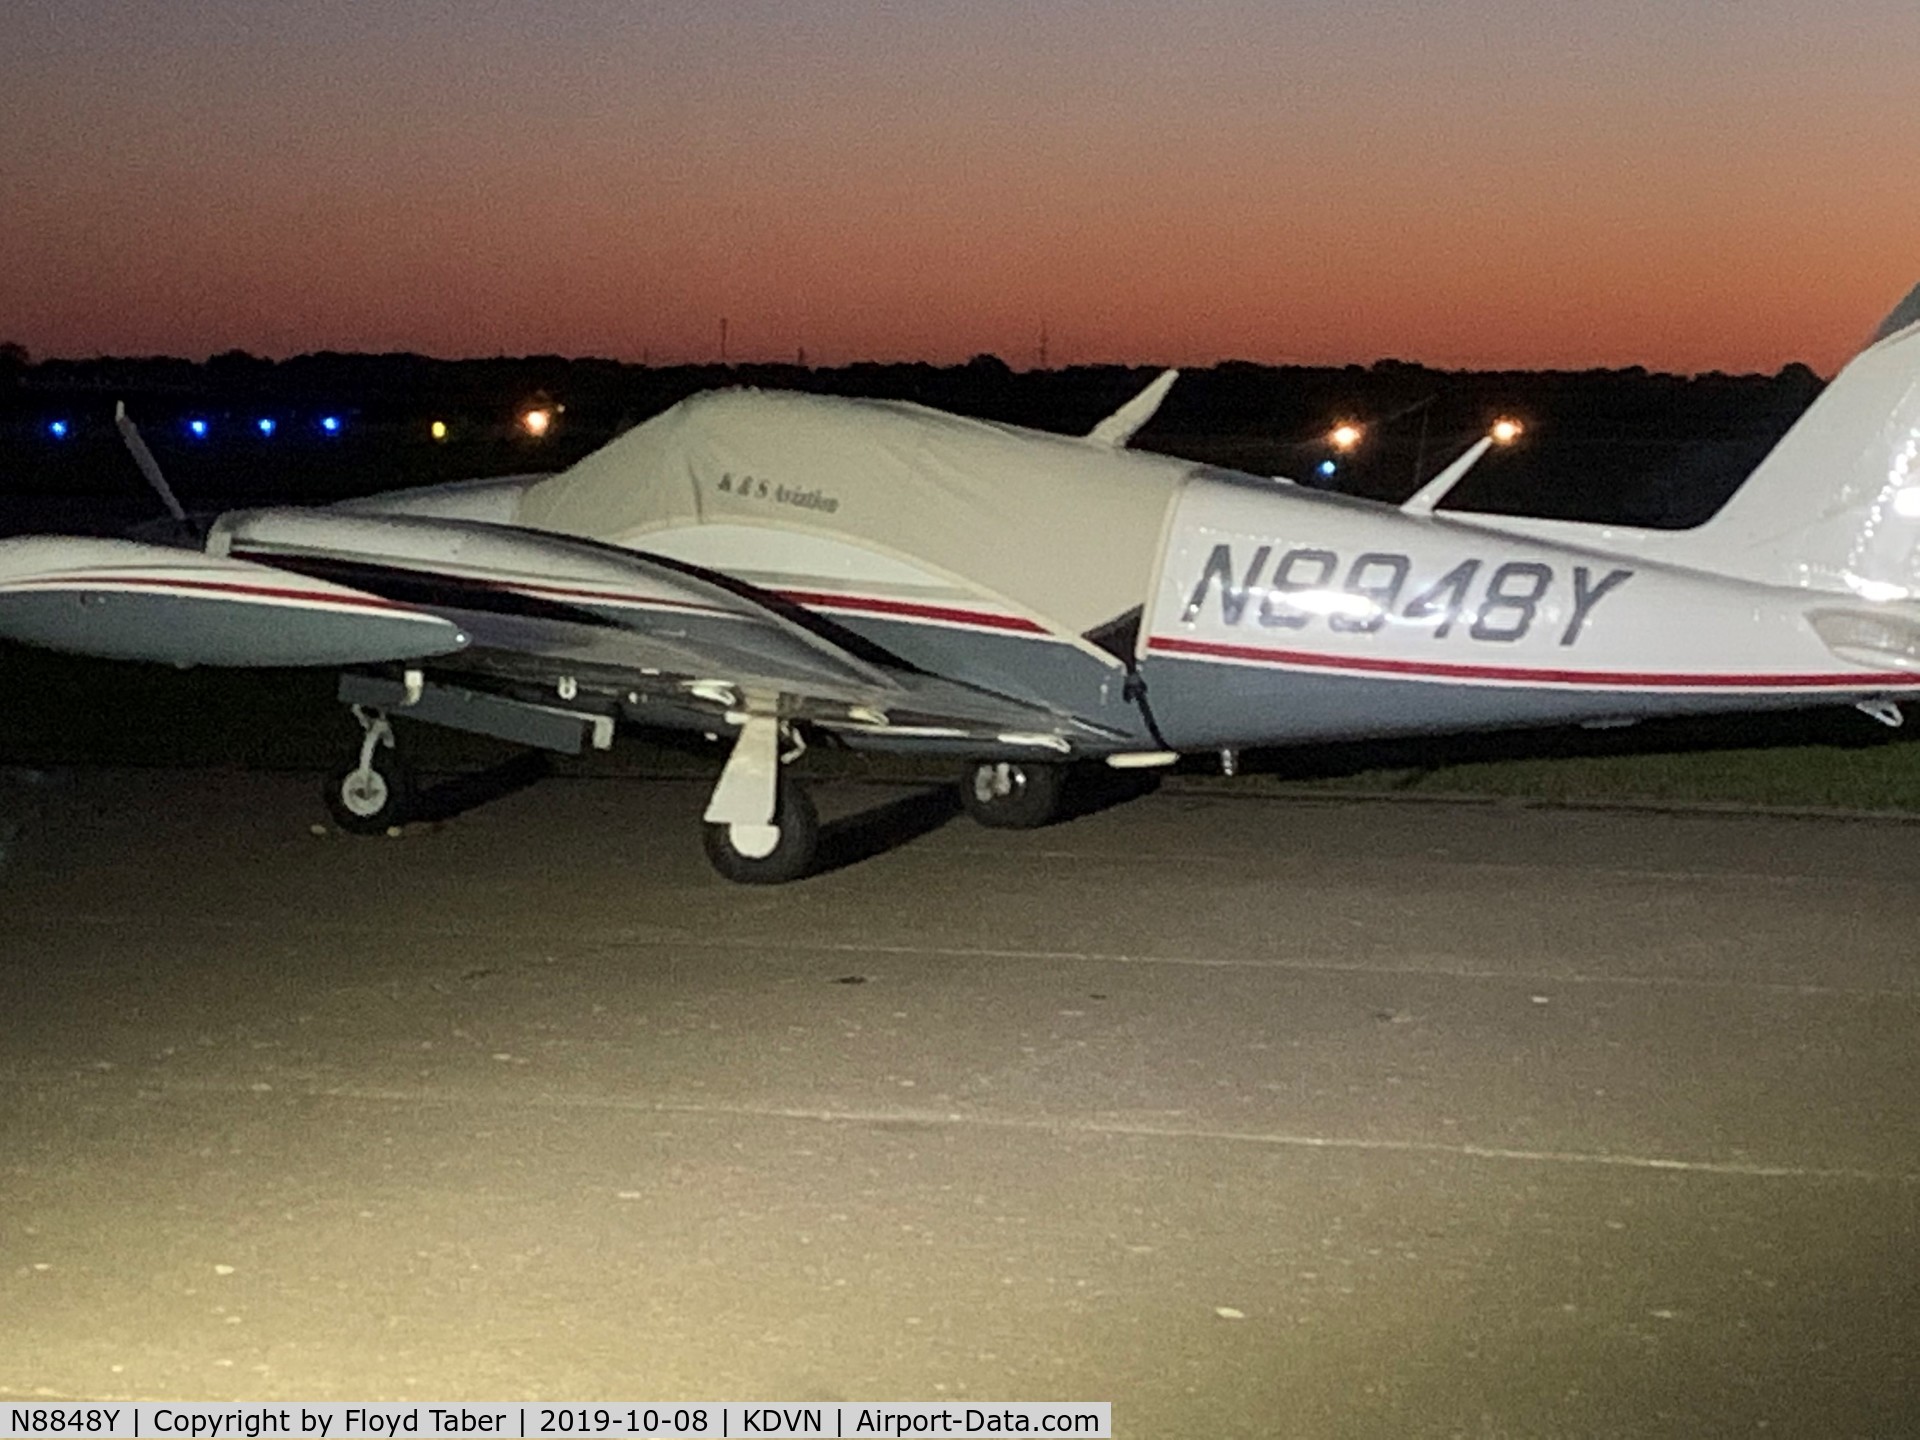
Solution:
(1836, 504)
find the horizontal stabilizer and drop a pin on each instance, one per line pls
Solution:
(124, 600)
(1879, 639)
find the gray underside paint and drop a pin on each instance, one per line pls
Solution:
(1201, 705)
(1032, 668)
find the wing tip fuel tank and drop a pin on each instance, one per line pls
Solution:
(127, 600)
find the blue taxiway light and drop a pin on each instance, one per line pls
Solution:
(1327, 467)
(198, 428)
(330, 424)
(57, 429)
(265, 425)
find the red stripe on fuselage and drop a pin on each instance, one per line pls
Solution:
(1519, 674)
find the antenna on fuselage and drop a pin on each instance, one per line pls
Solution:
(1123, 424)
(1422, 501)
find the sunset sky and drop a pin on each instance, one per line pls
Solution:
(1682, 184)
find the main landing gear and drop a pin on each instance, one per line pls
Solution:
(377, 791)
(783, 849)
(761, 827)
(1013, 794)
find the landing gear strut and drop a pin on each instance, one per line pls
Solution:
(1012, 794)
(761, 827)
(376, 792)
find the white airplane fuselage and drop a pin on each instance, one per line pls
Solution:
(1294, 616)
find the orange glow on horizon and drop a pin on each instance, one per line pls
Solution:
(927, 183)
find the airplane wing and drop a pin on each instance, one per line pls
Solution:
(528, 636)
(546, 609)
(313, 588)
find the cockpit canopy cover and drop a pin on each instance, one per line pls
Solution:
(1061, 528)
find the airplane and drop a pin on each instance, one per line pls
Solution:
(782, 570)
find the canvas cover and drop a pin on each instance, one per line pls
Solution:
(1062, 528)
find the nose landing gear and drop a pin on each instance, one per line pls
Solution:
(377, 791)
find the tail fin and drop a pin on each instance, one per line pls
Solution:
(1905, 315)
(1836, 504)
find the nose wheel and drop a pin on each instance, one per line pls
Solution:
(1012, 794)
(376, 792)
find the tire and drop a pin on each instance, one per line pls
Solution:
(792, 856)
(1012, 794)
(384, 800)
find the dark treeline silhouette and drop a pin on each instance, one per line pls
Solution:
(1622, 445)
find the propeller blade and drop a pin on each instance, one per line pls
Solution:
(149, 467)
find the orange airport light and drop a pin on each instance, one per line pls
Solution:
(1345, 435)
(438, 429)
(1505, 431)
(537, 421)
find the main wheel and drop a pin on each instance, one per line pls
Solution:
(769, 854)
(1012, 794)
(374, 802)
